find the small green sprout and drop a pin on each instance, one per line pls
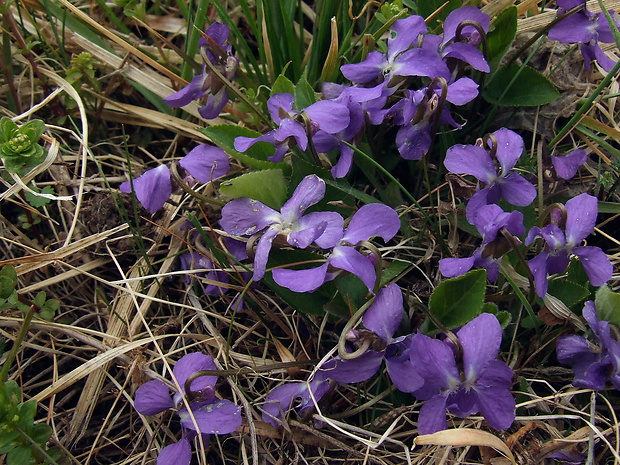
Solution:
(19, 145)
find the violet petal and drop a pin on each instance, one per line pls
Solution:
(301, 280)
(595, 263)
(152, 397)
(179, 453)
(385, 313)
(206, 162)
(244, 217)
(348, 259)
(190, 364)
(374, 219)
(220, 417)
(480, 339)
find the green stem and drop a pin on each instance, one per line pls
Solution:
(17, 343)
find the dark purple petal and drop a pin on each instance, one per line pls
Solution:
(353, 371)
(261, 255)
(497, 407)
(153, 397)
(468, 54)
(596, 264)
(581, 218)
(310, 191)
(385, 313)
(496, 374)
(432, 416)
(591, 376)
(593, 51)
(192, 91)
(348, 259)
(480, 339)
(190, 364)
(463, 402)
(509, 149)
(454, 267)
(301, 280)
(405, 33)
(246, 216)
(518, 191)
(538, 267)
(206, 162)
(414, 140)
(179, 453)
(220, 417)
(566, 167)
(365, 71)
(573, 349)
(152, 188)
(332, 117)
(403, 374)
(434, 361)
(374, 219)
(470, 159)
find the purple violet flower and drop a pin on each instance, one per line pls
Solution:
(382, 319)
(593, 366)
(245, 217)
(218, 52)
(153, 188)
(464, 46)
(422, 110)
(400, 60)
(481, 385)
(329, 116)
(475, 160)
(489, 221)
(211, 415)
(562, 238)
(587, 29)
(371, 220)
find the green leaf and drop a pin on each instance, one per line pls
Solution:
(457, 301)
(255, 157)
(33, 129)
(570, 293)
(519, 86)
(304, 93)
(608, 305)
(7, 439)
(40, 433)
(266, 186)
(501, 37)
(26, 412)
(39, 299)
(7, 129)
(8, 281)
(21, 455)
(283, 84)
(36, 201)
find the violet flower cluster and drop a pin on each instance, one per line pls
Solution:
(593, 365)
(587, 29)
(412, 53)
(464, 380)
(154, 187)
(219, 53)
(568, 225)
(200, 410)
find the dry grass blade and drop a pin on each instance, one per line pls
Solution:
(463, 437)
